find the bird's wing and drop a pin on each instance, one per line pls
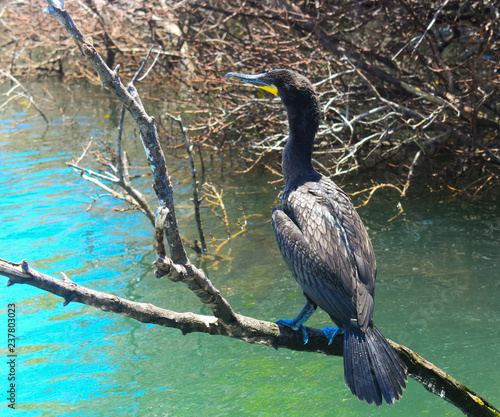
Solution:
(315, 277)
(333, 233)
(339, 205)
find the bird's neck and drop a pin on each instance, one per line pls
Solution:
(297, 164)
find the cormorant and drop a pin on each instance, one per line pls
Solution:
(327, 248)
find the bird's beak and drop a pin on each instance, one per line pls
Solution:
(263, 80)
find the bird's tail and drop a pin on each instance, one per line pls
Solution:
(372, 368)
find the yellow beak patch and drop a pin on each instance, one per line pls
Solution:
(271, 88)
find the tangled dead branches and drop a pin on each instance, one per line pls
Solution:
(408, 88)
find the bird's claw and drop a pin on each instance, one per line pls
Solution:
(292, 324)
(330, 333)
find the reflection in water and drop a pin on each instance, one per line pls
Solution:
(437, 292)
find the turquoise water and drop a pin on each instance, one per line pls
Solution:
(437, 290)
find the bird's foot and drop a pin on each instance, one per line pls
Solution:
(330, 333)
(298, 322)
(295, 325)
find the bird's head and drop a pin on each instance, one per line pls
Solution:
(294, 89)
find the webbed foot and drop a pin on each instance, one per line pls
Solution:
(295, 325)
(298, 322)
(330, 333)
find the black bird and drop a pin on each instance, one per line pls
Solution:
(327, 248)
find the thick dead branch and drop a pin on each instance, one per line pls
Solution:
(247, 329)
(149, 135)
(177, 267)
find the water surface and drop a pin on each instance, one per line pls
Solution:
(437, 289)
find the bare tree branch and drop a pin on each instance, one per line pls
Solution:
(196, 198)
(149, 135)
(24, 93)
(247, 329)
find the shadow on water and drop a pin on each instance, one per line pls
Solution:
(437, 290)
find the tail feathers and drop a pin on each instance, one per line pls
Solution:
(372, 368)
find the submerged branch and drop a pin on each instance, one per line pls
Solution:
(196, 198)
(25, 93)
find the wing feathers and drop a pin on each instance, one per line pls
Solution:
(328, 250)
